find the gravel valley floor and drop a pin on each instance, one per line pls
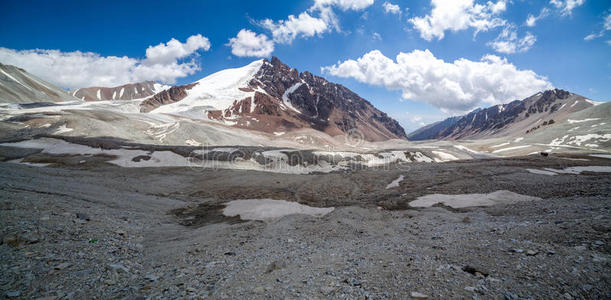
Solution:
(102, 231)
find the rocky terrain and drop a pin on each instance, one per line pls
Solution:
(262, 182)
(514, 119)
(130, 91)
(96, 230)
(270, 96)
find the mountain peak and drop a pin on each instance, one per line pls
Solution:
(273, 97)
(511, 118)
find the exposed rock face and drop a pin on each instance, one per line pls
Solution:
(19, 86)
(171, 95)
(324, 105)
(124, 92)
(511, 118)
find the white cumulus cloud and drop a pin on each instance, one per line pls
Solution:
(318, 19)
(457, 86)
(248, 43)
(304, 25)
(508, 42)
(567, 6)
(343, 4)
(82, 69)
(458, 15)
(169, 52)
(390, 8)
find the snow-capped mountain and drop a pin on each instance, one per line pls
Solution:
(130, 91)
(517, 118)
(270, 96)
(19, 86)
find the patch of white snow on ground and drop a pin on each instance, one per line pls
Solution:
(471, 200)
(268, 209)
(191, 142)
(579, 139)
(444, 156)
(518, 139)
(20, 161)
(581, 121)
(593, 102)
(395, 183)
(541, 172)
(607, 156)
(287, 93)
(579, 170)
(279, 133)
(62, 129)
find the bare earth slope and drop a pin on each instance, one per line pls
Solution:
(19, 86)
(124, 92)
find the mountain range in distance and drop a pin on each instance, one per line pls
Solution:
(271, 98)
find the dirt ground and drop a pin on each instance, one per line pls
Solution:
(101, 231)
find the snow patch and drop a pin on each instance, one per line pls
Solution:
(581, 121)
(287, 93)
(395, 183)
(62, 129)
(268, 209)
(192, 143)
(542, 172)
(444, 156)
(217, 91)
(471, 200)
(579, 170)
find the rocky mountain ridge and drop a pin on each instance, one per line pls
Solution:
(275, 98)
(515, 118)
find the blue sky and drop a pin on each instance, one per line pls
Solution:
(551, 52)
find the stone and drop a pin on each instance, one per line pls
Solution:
(327, 290)
(151, 277)
(532, 252)
(417, 295)
(13, 294)
(118, 267)
(62, 266)
(83, 216)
